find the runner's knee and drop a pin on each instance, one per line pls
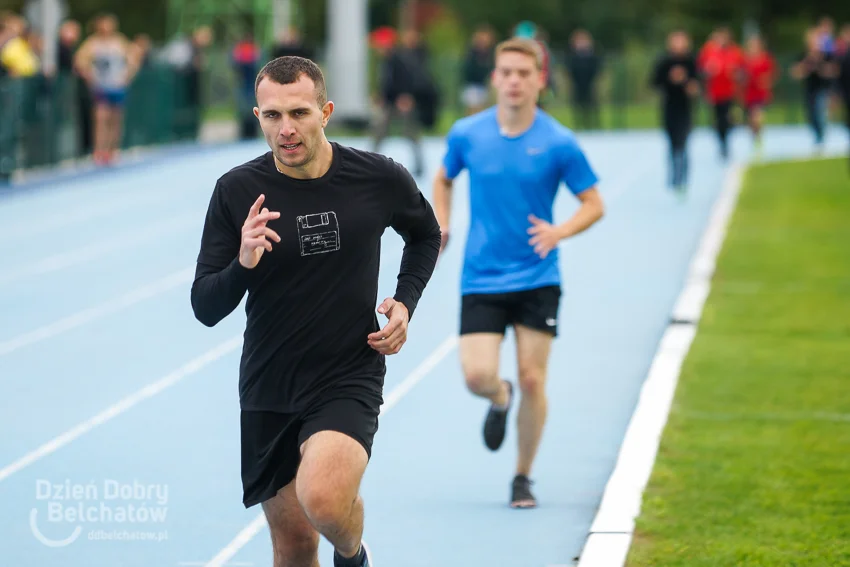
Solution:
(531, 381)
(480, 379)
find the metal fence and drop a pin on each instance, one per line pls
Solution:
(45, 121)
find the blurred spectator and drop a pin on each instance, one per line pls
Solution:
(108, 62)
(193, 73)
(675, 77)
(290, 43)
(759, 76)
(842, 44)
(246, 62)
(142, 46)
(816, 69)
(826, 35)
(17, 57)
(407, 92)
(477, 67)
(69, 40)
(584, 66)
(721, 64)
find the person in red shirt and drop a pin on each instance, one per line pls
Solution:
(760, 74)
(720, 62)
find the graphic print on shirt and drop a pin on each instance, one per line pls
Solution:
(318, 233)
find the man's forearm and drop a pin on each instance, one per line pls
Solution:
(585, 217)
(442, 192)
(215, 294)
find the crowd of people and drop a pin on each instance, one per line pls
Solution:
(96, 67)
(730, 76)
(736, 80)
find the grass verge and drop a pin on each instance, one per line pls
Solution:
(754, 464)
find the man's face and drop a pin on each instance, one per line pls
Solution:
(517, 79)
(292, 120)
(678, 43)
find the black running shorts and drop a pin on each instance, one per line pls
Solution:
(494, 312)
(271, 441)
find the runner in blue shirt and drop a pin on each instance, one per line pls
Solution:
(516, 156)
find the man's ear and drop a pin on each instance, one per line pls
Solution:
(327, 111)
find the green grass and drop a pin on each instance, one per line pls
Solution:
(754, 465)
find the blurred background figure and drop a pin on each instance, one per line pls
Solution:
(842, 44)
(17, 56)
(720, 63)
(289, 42)
(760, 74)
(816, 69)
(246, 59)
(142, 46)
(675, 77)
(584, 66)
(70, 37)
(825, 35)
(406, 86)
(107, 62)
(477, 68)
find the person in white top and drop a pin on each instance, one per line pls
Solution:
(108, 62)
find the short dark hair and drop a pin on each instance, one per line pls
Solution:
(287, 70)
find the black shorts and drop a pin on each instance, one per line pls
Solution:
(494, 312)
(271, 441)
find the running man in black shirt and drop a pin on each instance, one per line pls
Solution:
(299, 229)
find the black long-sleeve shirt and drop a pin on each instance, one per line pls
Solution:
(312, 299)
(675, 93)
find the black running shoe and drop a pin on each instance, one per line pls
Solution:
(521, 496)
(363, 558)
(496, 422)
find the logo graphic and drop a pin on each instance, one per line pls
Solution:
(65, 509)
(318, 233)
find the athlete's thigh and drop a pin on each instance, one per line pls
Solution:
(332, 467)
(484, 318)
(533, 349)
(479, 354)
(336, 442)
(535, 326)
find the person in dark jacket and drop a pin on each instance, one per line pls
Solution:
(584, 66)
(476, 71)
(407, 92)
(675, 76)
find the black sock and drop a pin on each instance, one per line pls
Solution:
(356, 561)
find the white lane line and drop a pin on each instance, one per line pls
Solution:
(390, 401)
(611, 533)
(109, 243)
(88, 315)
(122, 406)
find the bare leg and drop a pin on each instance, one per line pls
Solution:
(328, 486)
(479, 354)
(294, 541)
(533, 349)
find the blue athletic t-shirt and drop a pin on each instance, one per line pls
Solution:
(511, 178)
